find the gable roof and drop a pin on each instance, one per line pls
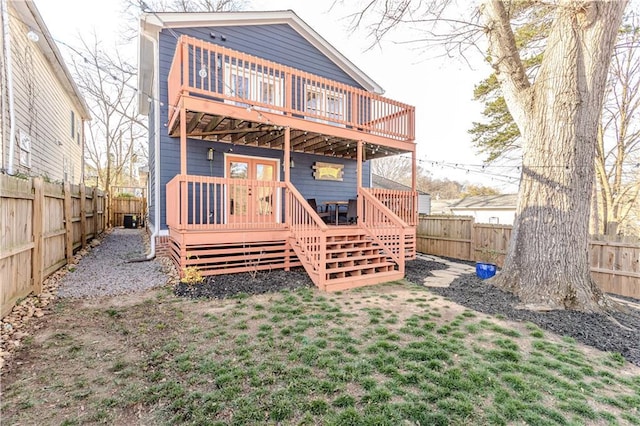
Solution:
(486, 202)
(152, 23)
(384, 183)
(29, 15)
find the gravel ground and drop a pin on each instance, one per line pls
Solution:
(104, 271)
(597, 330)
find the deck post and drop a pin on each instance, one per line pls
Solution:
(359, 180)
(287, 168)
(183, 139)
(414, 170)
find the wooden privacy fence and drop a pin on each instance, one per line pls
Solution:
(41, 224)
(614, 265)
(121, 206)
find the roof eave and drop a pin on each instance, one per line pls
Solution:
(47, 45)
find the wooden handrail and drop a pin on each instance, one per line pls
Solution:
(206, 69)
(203, 202)
(403, 203)
(384, 226)
(308, 229)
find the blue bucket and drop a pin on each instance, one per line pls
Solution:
(485, 270)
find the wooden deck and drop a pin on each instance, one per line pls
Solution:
(207, 105)
(371, 251)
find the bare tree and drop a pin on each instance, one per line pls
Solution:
(618, 143)
(115, 135)
(547, 262)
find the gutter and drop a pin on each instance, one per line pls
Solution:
(9, 76)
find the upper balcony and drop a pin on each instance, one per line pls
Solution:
(234, 97)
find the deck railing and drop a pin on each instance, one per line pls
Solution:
(308, 229)
(202, 203)
(220, 74)
(403, 203)
(383, 226)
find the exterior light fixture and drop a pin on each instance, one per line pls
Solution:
(210, 152)
(33, 36)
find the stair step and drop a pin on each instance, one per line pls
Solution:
(345, 283)
(345, 252)
(358, 269)
(374, 257)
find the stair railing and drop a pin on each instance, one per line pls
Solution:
(308, 229)
(383, 226)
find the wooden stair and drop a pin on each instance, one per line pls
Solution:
(352, 260)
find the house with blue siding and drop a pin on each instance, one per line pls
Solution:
(260, 136)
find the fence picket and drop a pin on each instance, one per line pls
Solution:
(615, 265)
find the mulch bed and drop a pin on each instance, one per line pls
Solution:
(598, 330)
(225, 286)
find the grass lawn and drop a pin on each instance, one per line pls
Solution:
(386, 355)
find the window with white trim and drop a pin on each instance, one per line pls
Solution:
(253, 86)
(494, 220)
(325, 103)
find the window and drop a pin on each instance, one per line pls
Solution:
(73, 125)
(25, 149)
(78, 128)
(494, 220)
(254, 87)
(325, 103)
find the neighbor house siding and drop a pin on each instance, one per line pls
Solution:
(279, 43)
(43, 110)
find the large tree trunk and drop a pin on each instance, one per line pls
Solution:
(547, 262)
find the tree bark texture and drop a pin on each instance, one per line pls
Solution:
(547, 263)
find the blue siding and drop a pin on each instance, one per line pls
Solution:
(279, 43)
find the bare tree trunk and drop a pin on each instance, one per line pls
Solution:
(547, 263)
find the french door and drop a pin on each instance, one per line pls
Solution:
(254, 201)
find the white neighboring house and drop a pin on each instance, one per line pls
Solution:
(496, 209)
(424, 199)
(46, 112)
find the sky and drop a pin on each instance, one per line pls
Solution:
(440, 87)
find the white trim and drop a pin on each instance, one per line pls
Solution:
(153, 22)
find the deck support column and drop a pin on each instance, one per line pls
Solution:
(183, 139)
(414, 170)
(359, 180)
(287, 168)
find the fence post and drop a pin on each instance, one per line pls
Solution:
(83, 215)
(68, 222)
(474, 240)
(94, 206)
(38, 221)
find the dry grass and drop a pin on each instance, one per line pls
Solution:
(380, 355)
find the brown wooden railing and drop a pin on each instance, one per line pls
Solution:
(403, 203)
(383, 226)
(204, 69)
(308, 229)
(202, 202)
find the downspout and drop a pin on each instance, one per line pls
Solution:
(156, 142)
(156, 154)
(9, 77)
